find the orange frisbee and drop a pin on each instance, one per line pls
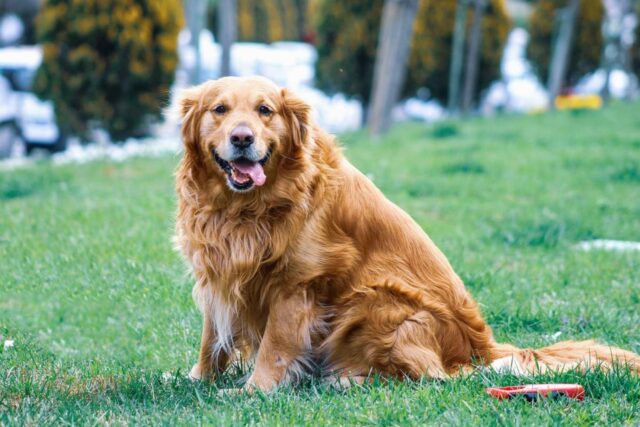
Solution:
(531, 392)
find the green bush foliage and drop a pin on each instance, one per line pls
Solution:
(587, 43)
(432, 45)
(267, 21)
(109, 62)
(348, 37)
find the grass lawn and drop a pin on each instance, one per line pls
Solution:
(99, 305)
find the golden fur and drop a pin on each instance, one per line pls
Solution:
(317, 268)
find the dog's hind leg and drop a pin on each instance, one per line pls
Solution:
(415, 350)
(382, 334)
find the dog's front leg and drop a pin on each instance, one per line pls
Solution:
(284, 339)
(210, 363)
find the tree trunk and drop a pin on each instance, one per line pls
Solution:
(227, 23)
(301, 18)
(618, 34)
(195, 13)
(562, 50)
(389, 73)
(457, 56)
(628, 40)
(473, 56)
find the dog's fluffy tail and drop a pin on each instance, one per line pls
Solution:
(581, 355)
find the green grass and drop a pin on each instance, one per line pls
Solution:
(99, 304)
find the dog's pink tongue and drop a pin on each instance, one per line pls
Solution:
(254, 170)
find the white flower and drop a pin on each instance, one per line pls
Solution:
(8, 344)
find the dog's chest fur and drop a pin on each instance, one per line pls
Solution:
(241, 262)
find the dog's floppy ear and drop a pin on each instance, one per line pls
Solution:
(190, 112)
(297, 113)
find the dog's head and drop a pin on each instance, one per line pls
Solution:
(242, 127)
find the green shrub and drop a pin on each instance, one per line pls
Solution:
(348, 38)
(109, 62)
(267, 21)
(432, 45)
(586, 48)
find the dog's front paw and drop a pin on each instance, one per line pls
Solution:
(195, 374)
(256, 383)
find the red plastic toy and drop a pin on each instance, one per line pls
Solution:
(531, 392)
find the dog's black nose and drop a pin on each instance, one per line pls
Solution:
(242, 136)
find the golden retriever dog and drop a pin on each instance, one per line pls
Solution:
(302, 264)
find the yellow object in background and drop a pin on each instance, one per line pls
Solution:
(578, 102)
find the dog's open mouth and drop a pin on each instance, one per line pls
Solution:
(242, 173)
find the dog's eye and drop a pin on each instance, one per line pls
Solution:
(220, 109)
(264, 110)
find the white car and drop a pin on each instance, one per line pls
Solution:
(33, 120)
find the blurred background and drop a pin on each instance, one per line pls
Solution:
(78, 77)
